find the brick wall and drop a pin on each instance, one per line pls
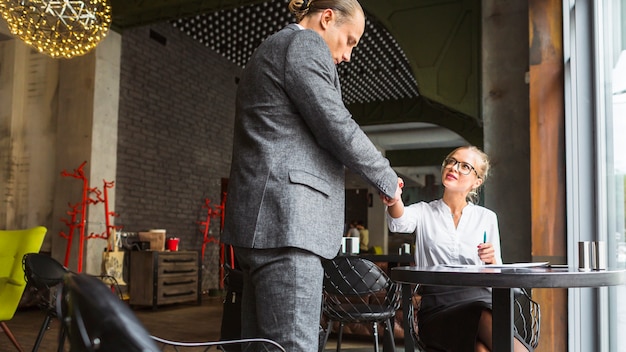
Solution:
(177, 100)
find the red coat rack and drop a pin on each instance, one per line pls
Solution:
(78, 214)
(214, 212)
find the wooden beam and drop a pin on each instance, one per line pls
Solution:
(547, 161)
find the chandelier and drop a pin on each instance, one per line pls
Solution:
(58, 28)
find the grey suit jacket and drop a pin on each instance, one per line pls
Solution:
(293, 136)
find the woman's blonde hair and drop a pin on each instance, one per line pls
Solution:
(346, 8)
(482, 169)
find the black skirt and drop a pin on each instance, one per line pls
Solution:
(448, 317)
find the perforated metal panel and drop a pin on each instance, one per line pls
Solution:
(378, 71)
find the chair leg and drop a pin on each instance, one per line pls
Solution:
(339, 336)
(375, 330)
(389, 344)
(62, 335)
(10, 335)
(42, 330)
(329, 327)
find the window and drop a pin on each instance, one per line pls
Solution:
(610, 19)
(595, 89)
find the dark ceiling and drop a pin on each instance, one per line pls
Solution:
(418, 61)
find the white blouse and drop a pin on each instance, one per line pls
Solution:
(437, 241)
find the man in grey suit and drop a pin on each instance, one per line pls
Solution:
(293, 137)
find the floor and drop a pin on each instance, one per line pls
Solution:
(182, 322)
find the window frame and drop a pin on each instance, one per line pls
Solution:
(589, 191)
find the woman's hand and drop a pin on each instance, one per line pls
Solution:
(486, 253)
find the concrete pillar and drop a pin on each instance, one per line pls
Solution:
(28, 92)
(87, 132)
(506, 122)
(54, 115)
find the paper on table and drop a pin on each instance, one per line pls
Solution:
(497, 266)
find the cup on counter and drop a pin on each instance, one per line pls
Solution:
(172, 243)
(405, 248)
(598, 257)
(592, 255)
(349, 245)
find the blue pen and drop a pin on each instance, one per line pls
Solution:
(484, 238)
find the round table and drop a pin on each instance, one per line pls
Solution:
(502, 279)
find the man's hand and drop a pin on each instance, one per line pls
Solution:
(391, 201)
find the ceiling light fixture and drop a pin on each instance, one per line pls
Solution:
(58, 28)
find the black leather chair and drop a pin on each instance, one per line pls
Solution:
(44, 274)
(97, 320)
(357, 291)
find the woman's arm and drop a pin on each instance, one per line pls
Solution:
(396, 210)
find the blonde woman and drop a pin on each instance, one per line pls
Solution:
(454, 230)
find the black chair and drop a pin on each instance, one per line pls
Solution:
(44, 274)
(527, 319)
(357, 291)
(96, 320)
(231, 312)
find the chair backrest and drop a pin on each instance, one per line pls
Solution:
(42, 271)
(14, 244)
(97, 320)
(527, 318)
(352, 275)
(355, 280)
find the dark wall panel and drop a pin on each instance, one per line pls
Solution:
(177, 100)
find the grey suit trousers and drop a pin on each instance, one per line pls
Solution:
(282, 296)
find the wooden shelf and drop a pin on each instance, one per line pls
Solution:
(158, 278)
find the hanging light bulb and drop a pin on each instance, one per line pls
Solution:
(58, 28)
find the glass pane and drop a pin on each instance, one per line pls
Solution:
(613, 41)
(616, 146)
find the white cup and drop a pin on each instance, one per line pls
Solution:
(405, 248)
(350, 245)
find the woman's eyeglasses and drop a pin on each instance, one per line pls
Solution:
(463, 167)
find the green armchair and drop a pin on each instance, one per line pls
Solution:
(13, 245)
